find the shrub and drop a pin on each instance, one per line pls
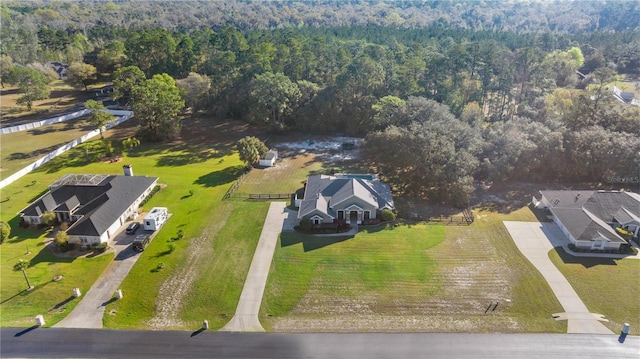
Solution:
(171, 247)
(305, 224)
(49, 218)
(61, 239)
(387, 215)
(146, 199)
(5, 231)
(101, 247)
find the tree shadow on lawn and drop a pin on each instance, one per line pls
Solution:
(586, 262)
(309, 242)
(190, 155)
(47, 255)
(217, 178)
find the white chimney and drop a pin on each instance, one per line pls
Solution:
(128, 170)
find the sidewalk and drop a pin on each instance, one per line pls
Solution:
(535, 240)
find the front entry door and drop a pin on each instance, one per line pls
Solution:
(353, 217)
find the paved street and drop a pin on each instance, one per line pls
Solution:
(535, 240)
(92, 343)
(246, 316)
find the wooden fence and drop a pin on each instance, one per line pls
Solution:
(258, 196)
(466, 218)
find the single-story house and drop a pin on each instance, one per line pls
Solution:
(95, 206)
(59, 67)
(155, 218)
(348, 198)
(590, 218)
(269, 159)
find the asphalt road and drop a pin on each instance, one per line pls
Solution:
(92, 343)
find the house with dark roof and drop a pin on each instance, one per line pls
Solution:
(590, 218)
(95, 206)
(347, 198)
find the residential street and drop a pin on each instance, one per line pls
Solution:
(92, 343)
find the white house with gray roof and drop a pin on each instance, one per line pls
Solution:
(590, 218)
(348, 198)
(96, 206)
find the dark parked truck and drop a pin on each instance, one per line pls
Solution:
(141, 242)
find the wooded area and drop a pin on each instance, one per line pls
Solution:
(446, 92)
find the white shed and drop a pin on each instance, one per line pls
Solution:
(155, 219)
(270, 159)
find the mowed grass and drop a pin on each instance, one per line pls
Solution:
(384, 268)
(287, 176)
(62, 98)
(606, 286)
(414, 277)
(221, 275)
(192, 188)
(20, 149)
(53, 299)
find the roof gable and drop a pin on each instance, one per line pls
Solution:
(323, 193)
(99, 204)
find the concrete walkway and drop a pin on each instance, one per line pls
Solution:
(279, 218)
(535, 240)
(89, 312)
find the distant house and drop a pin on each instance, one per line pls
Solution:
(59, 67)
(347, 198)
(269, 159)
(590, 218)
(95, 206)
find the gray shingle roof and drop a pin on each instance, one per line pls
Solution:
(588, 215)
(99, 205)
(323, 192)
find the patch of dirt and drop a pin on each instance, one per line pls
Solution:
(331, 149)
(173, 291)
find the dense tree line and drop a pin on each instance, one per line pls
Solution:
(440, 105)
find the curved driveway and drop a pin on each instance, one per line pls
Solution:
(279, 218)
(535, 240)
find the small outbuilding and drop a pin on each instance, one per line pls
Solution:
(155, 218)
(269, 159)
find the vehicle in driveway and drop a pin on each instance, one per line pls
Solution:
(141, 242)
(133, 227)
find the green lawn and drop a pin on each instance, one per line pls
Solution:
(20, 149)
(192, 191)
(384, 269)
(606, 286)
(286, 177)
(49, 298)
(413, 277)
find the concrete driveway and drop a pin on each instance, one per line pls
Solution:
(279, 218)
(89, 312)
(535, 240)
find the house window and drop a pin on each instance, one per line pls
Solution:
(367, 215)
(341, 215)
(316, 221)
